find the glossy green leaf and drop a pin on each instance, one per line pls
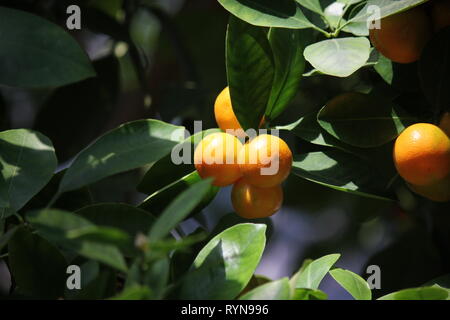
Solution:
(287, 47)
(309, 129)
(313, 5)
(385, 8)
(340, 171)
(225, 265)
(38, 53)
(165, 171)
(158, 201)
(338, 57)
(179, 209)
(249, 71)
(275, 290)
(385, 69)
(362, 120)
(423, 293)
(268, 13)
(65, 229)
(27, 163)
(37, 266)
(353, 283)
(434, 71)
(312, 275)
(127, 147)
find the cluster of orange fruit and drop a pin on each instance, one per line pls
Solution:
(422, 158)
(256, 168)
(402, 37)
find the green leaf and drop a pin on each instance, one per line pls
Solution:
(313, 5)
(159, 200)
(312, 275)
(287, 47)
(362, 120)
(27, 163)
(274, 290)
(96, 283)
(308, 129)
(338, 57)
(122, 216)
(38, 53)
(136, 292)
(386, 7)
(179, 209)
(249, 71)
(37, 266)
(423, 293)
(340, 171)
(165, 172)
(309, 294)
(385, 69)
(434, 71)
(61, 228)
(268, 13)
(127, 147)
(5, 237)
(353, 283)
(225, 265)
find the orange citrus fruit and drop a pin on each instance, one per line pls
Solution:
(440, 14)
(422, 154)
(445, 123)
(252, 202)
(225, 116)
(265, 161)
(401, 37)
(216, 156)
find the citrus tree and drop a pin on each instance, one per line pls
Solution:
(385, 138)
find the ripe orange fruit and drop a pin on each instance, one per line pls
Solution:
(224, 114)
(402, 36)
(252, 202)
(440, 14)
(445, 123)
(216, 156)
(439, 191)
(422, 154)
(265, 161)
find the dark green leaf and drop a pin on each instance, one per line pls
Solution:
(340, 171)
(268, 13)
(275, 290)
(364, 121)
(5, 237)
(38, 53)
(27, 163)
(179, 209)
(159, 200)
(37, 266)
(287, 47)
(338, 57)
(134, 293)
(60, 226)
(249, 71)
(225, 265)
(313, 5)
(353, 283)
(385, 69)
(127, 147)
(434, 71)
